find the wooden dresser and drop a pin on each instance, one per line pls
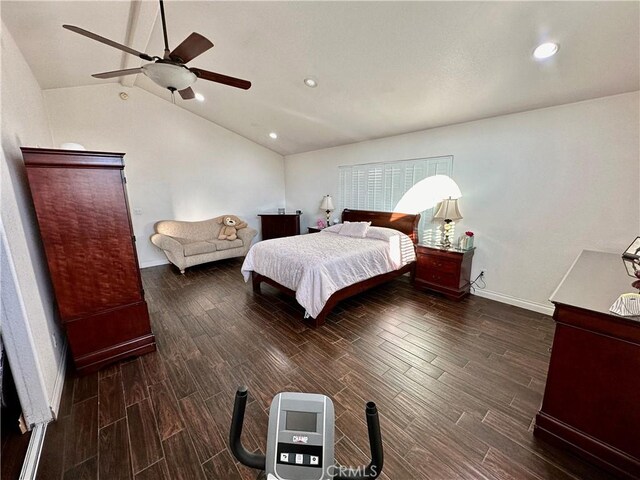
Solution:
(591, 401)
(83, 214)
(277, 225)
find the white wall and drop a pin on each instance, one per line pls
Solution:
(178, 165)
(538, 187)
(31, 333)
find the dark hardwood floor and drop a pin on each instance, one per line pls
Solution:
(457, 384)
(14, 443)
(14, 450)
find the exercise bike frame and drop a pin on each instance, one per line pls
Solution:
(258, 462)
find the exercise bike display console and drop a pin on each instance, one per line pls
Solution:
(301, 436)
(300, 439)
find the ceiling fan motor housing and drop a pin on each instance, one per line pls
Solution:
(168, 75)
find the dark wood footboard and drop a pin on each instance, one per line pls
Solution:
(257, 279)
(338, 296)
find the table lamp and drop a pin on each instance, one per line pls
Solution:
(448, 213)
(327, 206)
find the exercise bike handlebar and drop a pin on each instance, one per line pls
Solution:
(374, 469)
(245, 457)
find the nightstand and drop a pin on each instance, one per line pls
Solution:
(447, 271)
(314, 229)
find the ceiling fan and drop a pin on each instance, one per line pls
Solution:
(170, 71)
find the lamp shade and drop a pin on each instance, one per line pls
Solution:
(448, 210)
(327, 203)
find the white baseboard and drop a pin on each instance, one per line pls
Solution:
(153, 263)
(517, 302)
(56, 395)
(32, 457)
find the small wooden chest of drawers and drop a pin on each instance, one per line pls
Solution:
(278, 225)
(447, 271)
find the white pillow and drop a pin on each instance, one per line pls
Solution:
(355, 229)
(333, 228)
(382, 233)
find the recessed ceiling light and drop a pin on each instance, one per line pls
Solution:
(311, 82)
(545, 50)
(199, 97)
(273, 135)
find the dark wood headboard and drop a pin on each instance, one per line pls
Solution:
(406, 223)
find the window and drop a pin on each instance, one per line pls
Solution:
(380, 186)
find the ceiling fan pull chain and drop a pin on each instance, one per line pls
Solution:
(164, 30)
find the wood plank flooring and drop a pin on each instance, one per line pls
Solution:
(14, 443)
(14, 449)
(457, 384)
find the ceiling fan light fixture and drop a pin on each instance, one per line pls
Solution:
(170, 76)
(273, 135)
(199, 97)
(545, 50)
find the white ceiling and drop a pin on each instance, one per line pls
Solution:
(383, 68)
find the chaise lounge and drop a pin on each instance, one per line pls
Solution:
(191, 243)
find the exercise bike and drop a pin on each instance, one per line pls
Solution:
(300, 440)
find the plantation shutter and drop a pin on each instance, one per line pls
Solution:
(380, 186)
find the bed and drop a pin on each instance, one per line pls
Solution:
(321, 269)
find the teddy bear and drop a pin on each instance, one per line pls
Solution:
(231, 225)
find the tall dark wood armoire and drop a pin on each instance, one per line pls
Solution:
(81, 203)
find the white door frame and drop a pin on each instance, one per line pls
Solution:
(19, 344)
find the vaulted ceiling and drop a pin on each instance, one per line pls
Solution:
(383, 68)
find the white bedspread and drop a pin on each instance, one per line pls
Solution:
(317, 265)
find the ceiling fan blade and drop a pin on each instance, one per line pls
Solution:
(194, 45)
(187, 93)
(219, 78)
(118, 73)
(106, 41)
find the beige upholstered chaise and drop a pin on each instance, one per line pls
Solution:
(191, 243)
